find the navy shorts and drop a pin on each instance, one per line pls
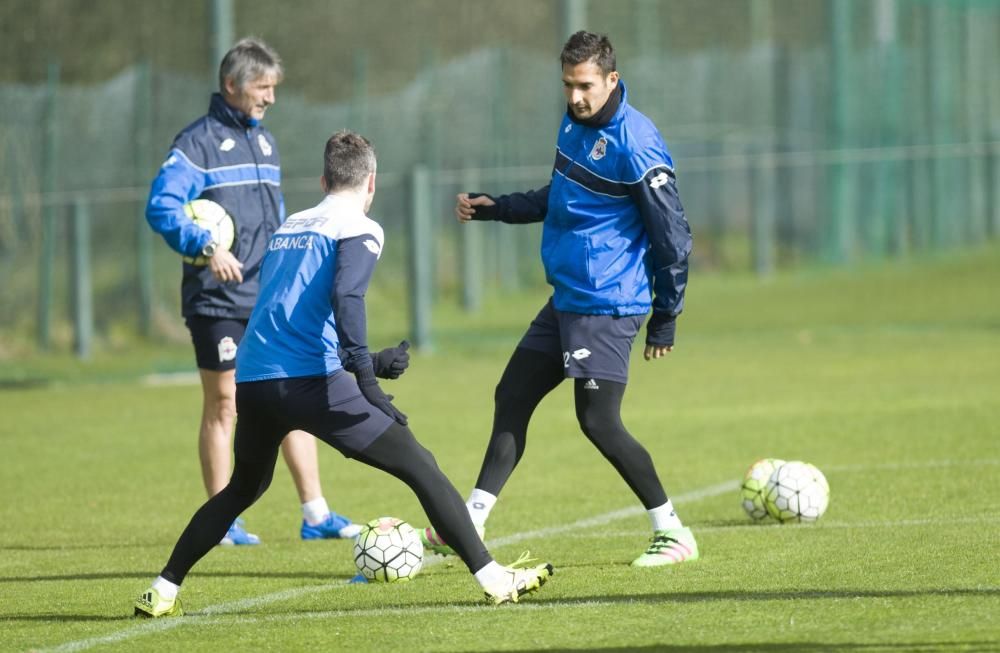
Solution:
(215, 341)
(332, 408)
(590, 346)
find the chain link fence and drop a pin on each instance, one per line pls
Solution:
(824, 131)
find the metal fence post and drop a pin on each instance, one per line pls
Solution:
(572, 18)
(220, 34)
(471, 244)
(764, 188)
(47, 257)
(421, 270)
(839, 236)
(143, 235)
(948, 198)
(83, 301)
(978, 32)
(888, 233)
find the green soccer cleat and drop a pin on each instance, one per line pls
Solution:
(436, 544)
(668, 548)
(518, 582)
(151, 604)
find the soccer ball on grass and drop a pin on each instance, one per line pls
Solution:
(754, 484)
(388, 550)
(796, 491)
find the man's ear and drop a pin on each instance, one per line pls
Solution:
(322, 184)
(613, 77)
(371, 183)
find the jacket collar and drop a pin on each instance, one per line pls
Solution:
(610, 112)
(221, 111)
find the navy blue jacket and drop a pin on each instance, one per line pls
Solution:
(614, 232)
(226, 157)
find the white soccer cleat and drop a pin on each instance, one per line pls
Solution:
(518, 582)
(668, 548)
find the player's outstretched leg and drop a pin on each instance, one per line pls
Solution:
(528, 377)
(598, 409)
(398, 453)
(251, 477)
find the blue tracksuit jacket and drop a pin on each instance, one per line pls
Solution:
(230, 159)
(615, 240)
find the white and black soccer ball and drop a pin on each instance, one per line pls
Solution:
(754, 484)
(388, 550)
(212, 216)
(797, 491)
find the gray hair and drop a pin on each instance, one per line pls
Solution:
(347, 161)
(249, 60)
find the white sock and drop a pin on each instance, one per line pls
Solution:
(316, 511)
(491, 575)
(480, 504)
(664, 517)
(165, 588)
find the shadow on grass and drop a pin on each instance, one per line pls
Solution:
(23, 384)
(63, 618)
(776, 595)
(149, 575)
(796, 647)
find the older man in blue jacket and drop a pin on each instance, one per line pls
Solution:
(229, 158)
(615, 244)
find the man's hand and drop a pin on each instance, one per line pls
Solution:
(660, 331)
(657, 351)
(225, 267)
(465, 206)
(373, 393)
(390, 363)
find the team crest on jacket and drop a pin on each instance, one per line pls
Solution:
(265, 147)
(600, 149)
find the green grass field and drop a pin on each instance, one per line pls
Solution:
(886, 378)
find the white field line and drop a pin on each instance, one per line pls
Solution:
(925, 464)
(159, 625)
(171, 378)
(749, 527)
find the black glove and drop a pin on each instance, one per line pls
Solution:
(660, 330)
(368, 385)
(390, 363)
(485, 212)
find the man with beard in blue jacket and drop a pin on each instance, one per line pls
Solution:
(615, 244)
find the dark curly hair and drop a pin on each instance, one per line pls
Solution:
(587, 46)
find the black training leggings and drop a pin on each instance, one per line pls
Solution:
(529, 376)
(396, 452)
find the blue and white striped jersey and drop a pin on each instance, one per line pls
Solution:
(311, 305)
